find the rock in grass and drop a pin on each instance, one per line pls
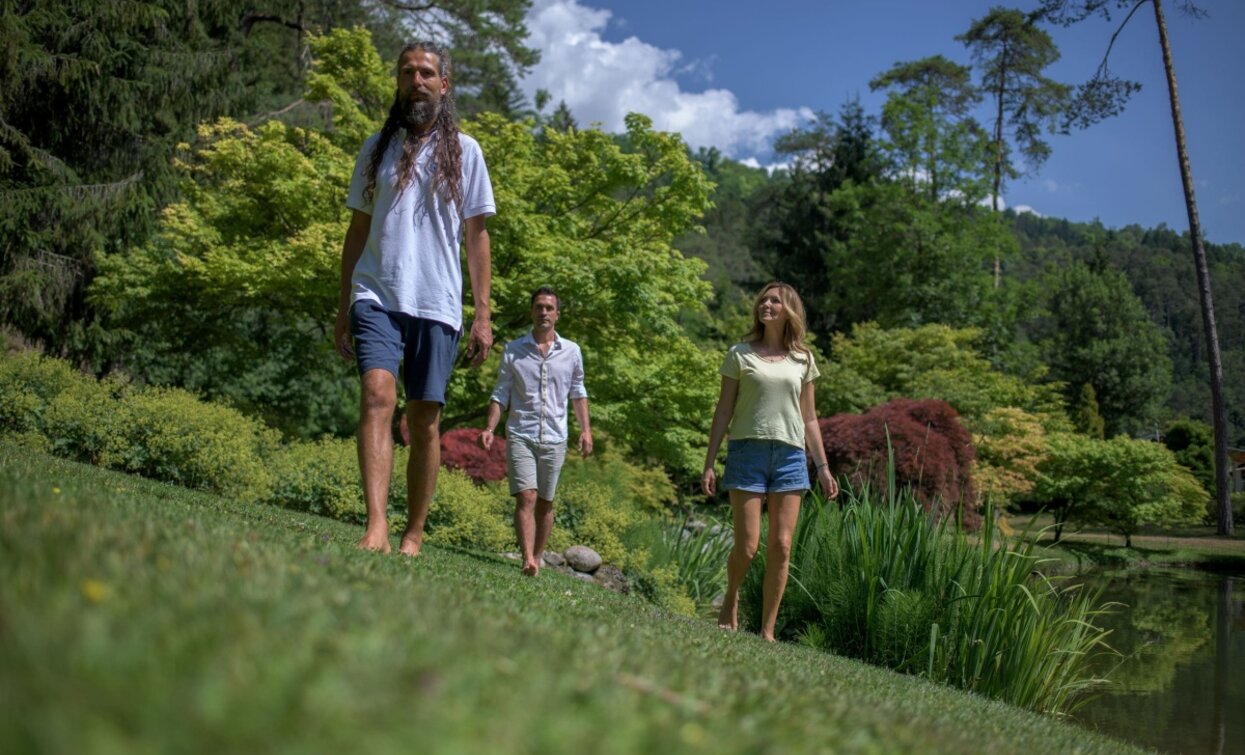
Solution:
(583, 559)
(553, 558)
(611, 578)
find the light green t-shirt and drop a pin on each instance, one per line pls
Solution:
(767, 406)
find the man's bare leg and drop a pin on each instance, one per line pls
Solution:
(544, 525)
(746, 516)
(379, 396)
(525, 530)
(424, 420)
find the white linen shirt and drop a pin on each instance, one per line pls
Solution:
(411, 262)
(536, 387)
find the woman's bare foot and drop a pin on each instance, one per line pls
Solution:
(728, 617)
(768, 637)
(375, 541)
(531, 568)
(411, 543)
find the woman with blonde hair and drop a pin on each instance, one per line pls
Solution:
(766, 401)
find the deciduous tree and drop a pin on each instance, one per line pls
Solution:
(1101, 87)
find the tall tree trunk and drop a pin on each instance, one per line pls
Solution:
(1219, 416)
(998, 163)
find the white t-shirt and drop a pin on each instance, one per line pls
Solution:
(411, 261)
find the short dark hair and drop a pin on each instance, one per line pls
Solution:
(547, 291)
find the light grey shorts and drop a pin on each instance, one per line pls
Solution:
(534, 466)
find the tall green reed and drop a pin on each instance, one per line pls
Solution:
(699, 555)
(882, 580)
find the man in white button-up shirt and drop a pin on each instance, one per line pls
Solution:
(539, 372)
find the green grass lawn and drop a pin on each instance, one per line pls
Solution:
(137, 617)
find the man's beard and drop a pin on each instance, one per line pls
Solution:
(417, 114)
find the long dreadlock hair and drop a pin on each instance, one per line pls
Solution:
(447, 156)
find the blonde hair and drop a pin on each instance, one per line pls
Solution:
(795, 328)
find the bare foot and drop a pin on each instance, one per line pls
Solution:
(375, 541)
(768, 638)
(411, 543)
(531, 568)
(728, 617)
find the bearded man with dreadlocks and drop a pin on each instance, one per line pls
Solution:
(420, 188)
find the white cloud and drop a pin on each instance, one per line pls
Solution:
(770, 168)
(603, 81)
(1050, 185)
(1023, 208)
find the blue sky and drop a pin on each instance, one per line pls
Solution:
(734, 75)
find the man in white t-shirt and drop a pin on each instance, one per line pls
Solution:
(420, 188)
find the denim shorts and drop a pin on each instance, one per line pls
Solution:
(765, 466)
(534, 466)
(425, 348)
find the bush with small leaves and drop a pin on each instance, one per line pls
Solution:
(468, 515)
(321, 478)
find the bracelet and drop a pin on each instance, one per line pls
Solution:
(821, 466)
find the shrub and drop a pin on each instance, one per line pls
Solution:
(28, 383)
(86, 422)
(933, 453)
(460, 449)
(644, 488)
(883, 581)
(660, 585)
(164, 434)
(1010, 445)
(321, 478)
(468, 515)
(588, 513)
(169, 434)
(1238, 507)
(1193, 443)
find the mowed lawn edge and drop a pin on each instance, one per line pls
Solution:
(141, 617)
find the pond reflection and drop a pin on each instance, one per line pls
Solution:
(1179, 684)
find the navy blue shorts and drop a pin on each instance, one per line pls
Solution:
(765, 466)
(425, 348)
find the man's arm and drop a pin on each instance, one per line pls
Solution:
(585, 431)
(480, 268)
(494, 416)
(352, 249)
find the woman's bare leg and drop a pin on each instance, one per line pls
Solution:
(746, 515)
(784, 510)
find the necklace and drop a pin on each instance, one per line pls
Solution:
(778, 357)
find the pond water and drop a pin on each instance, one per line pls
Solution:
(1179, 685)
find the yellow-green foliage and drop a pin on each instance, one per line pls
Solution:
(588, 513)
(660, 584)
(165, 434)
(28, 382)
(468, 515)
(322, 478)
(1010, 444)
(170, 434)
(875, 364)
(647, 488)
(84, 422)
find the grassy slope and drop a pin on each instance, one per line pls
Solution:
(137, 617)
